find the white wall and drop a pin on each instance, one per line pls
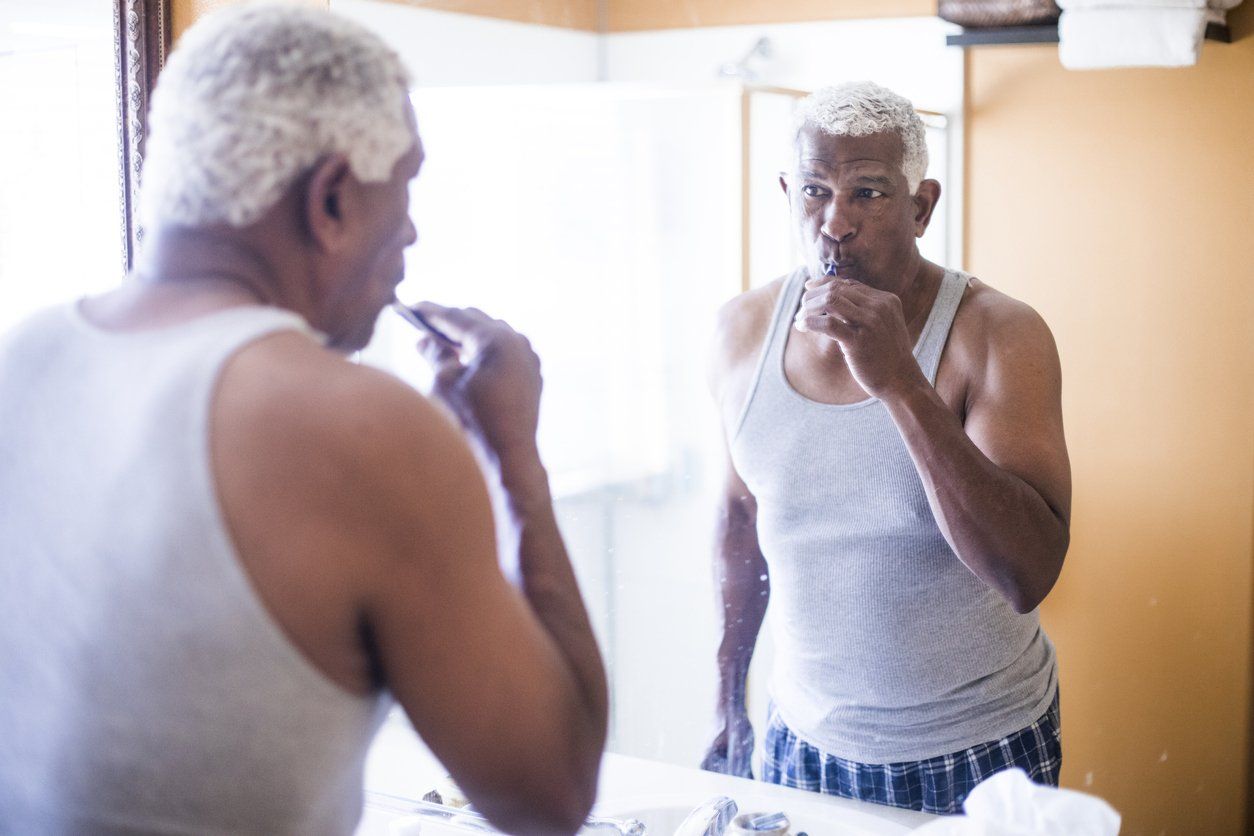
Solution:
(907, 54)
(449, 49)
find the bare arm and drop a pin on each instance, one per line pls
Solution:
(744, 589)
(999, 486)
(503, 682)
(365, 521)
(530, 724)
(739, 567)
(506, 688)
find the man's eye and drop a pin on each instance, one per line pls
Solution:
(813, 191)
(868, 193)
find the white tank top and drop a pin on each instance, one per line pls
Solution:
(887, 648)
(144, 686)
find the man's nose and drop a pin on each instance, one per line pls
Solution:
(838, 222)
(411, 232)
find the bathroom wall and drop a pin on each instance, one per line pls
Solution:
(638, 15)
(1120, 204)
(572, 14)
(184, 12)
(433, 44)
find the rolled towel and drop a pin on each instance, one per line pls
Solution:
(1129, 5)
(1096, 38)
(1218, 5)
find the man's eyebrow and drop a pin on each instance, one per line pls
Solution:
(874, 180)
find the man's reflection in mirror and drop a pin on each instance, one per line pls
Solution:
(897, 488)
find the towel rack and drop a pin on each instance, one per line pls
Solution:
(1043, 34)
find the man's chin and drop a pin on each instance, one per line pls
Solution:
(347, 344)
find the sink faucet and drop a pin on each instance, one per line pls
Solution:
(710, 819)
(469, 819)
(627, 827)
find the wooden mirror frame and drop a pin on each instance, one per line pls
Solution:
(141, 41)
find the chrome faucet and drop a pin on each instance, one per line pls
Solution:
(710, 819)
(626, 827)
(469, 819)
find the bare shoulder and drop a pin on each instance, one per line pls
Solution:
(337, 483)
(989, 323)
(316, 434)
(740, 328)
(288, 386)
(996, 337)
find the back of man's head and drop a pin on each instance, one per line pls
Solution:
(253, 97)
(861, 108)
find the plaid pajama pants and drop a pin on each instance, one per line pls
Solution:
(935, 785)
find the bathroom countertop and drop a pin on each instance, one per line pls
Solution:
(399, 766)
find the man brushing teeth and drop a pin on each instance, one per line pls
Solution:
(898, 487)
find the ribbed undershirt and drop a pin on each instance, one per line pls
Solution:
(887, 648)
(145, 686)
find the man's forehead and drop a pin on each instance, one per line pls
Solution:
(818, 149)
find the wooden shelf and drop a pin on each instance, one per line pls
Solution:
(1044, 34)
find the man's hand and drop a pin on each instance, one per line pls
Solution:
(870, 328)
(490, 379)
(732, 748)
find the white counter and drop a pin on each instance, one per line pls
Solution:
(399, 766)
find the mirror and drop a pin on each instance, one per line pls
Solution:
(635, 191)
(605, 193)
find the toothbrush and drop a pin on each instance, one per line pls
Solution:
(420, 322)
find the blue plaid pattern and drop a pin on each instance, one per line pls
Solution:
(935, 785)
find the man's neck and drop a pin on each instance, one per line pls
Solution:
(918, 290)
(208, 259)
(184, 273)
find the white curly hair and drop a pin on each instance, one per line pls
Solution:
(253, 97)
(860, 108)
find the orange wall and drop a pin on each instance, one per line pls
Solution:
(572, 14)
(629, 15)
(1120, 204)
(635, 15)
(184, 12)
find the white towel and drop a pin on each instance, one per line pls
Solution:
(1218, 5)
(1097, 38)
(1075, 5)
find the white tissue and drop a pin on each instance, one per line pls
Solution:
(1009, 804)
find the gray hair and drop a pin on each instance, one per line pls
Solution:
(253, 97)
(862, 107)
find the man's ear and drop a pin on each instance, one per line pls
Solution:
(925, 200)
(326, 199)
(783, 182)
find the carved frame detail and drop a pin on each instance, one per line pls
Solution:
(141, 41)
